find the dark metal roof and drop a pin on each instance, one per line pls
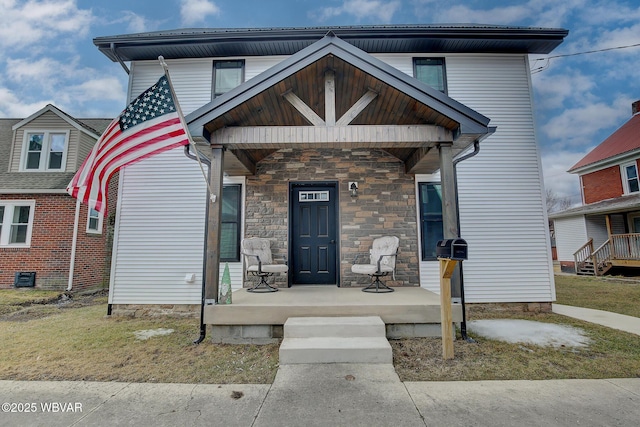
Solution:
(221, 42)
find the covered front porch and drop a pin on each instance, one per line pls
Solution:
(614, 230)
(258, 318)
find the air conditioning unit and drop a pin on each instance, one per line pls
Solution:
(25, 279)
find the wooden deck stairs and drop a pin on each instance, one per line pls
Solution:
(620, 250)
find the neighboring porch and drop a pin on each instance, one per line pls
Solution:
(258, 318)
(620, 250)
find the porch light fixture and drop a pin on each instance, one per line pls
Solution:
(353, 189)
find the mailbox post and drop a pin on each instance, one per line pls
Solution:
(449, 252)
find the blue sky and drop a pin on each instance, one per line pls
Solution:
(47, 54)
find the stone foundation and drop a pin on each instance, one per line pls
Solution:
(156, 310)
(510, 307)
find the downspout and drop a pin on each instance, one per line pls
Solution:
(124, 66)
(74, 244)
(203, 327)
(463, 324)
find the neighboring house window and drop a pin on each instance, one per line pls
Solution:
(94, 221)
(230, 227)
(16, 222)
(226, 76)
(431, 71)
(45, 151)
(431, 229)
(630, 178)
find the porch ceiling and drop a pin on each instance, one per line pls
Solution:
(364, 103)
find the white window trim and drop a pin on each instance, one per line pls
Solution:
(9, 206)
(45, 149)
(100, 222)
(623, 176)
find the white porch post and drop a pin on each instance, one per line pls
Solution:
(213, 224)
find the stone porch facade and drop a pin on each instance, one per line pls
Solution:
(386, 205)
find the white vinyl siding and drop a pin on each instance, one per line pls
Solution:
(502, 214)
(596, 230)
(571, 235)
(191, 79)
(160, 233)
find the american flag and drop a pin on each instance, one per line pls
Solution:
(150, 125)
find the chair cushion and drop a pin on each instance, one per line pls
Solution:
(259, 247)
(385, 246)
(274, 268)
(370, 268)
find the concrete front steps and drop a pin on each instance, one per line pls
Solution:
(335, 340)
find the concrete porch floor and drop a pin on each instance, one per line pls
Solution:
(407, 305)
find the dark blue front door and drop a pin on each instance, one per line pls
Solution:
(313, 257)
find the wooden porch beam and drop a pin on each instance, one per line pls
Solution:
(354, 136)
(330, 98)
(212, 266)
(304, 109)
(357, 108)
(246, 160)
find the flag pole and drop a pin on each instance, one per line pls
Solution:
(213, 197)
(211, 242)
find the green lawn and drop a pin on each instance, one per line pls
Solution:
(602, 293)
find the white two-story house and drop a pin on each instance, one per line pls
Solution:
(295, 110)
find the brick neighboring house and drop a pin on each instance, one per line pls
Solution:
(605, 231)
(42, 229)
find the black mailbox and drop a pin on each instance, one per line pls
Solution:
(455, 249)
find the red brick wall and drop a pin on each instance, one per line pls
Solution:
(601, 185)
(386, 205)
(50, 248)
(49, 254)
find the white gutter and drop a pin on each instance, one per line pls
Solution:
(74, 243)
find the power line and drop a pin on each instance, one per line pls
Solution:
(544, 67)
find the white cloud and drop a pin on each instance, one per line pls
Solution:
(26, 23)
(555, 164)
(576, 125)
(194, 11)
(12, 106)
(361, 9)
(554, 90)
(98, 89)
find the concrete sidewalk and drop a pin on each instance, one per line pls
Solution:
(326, 395)
(612, 320)
(334, 395)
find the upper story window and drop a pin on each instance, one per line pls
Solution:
(44, 151)
(431, 71)
(431, 224)
(630, 178)
(16, 222)
(226, 76)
